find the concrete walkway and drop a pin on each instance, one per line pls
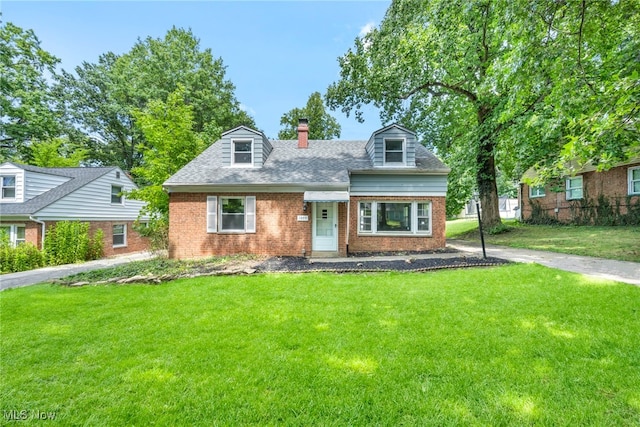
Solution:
(25, 278)
(620, 271)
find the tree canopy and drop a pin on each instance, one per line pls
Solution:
(25, 96)
(101, 98)
(498, 84)
(321, 124)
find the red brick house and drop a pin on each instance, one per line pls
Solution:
(249, 194)
(33, 199)
(587, 197)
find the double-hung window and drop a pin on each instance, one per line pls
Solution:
(119, 235)
(15, 234)
(116, 194)
(394, 217)
(231, 214)
(8, 185)
(242, 152)
(536, 191)
(574, 188)
(394, 151)
(634, 181)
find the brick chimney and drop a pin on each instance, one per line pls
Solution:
(303, 133)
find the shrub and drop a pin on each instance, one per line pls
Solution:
(68, 242)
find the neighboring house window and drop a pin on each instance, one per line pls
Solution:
(119, 235)
(242, 152)
(235, 214)
(574, 188)
(116, 194)
(15, 234)
(8, 184)
(393, 151)
(634, 180)
(391, 217)
(536, 191)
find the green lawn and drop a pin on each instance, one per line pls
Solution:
(514, 345)
(621, 243)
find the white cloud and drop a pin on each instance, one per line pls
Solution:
(247, 109)
(367, 28)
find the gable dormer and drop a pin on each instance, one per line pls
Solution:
(244, 147)
(393, 146)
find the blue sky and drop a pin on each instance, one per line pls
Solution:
(276, 53)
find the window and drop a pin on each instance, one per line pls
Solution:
(242, 152)
(574, 188)
(119, 235)
(231, 214)
(8, 184)
(634, 180)
(394, 217)
(393, 151)
(15, 234)
(116, 194)
(536, 191)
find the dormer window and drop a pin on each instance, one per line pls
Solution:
(8, 185)
(242, 152)
(394, 151)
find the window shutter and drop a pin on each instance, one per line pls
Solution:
(212, 214)
(250, 214)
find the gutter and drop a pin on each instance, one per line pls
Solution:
(44, 229)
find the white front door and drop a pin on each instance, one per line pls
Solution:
(325, 226)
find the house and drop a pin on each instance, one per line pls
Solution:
(586, 197)
(507, 207)
(32, 199)
(249, 194)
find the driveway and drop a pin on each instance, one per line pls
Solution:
(620, 271)
(25, 278)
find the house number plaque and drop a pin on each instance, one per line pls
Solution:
(303, 217)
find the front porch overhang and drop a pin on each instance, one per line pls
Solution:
(326, 196)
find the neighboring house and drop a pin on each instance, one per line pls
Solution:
(507, 206)
(587, 196)
(32, 199)
(249, 194)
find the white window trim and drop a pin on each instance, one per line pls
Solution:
(570, 190)
(124, 244)
(414, 219)
(214, 211)
(121, 192)
(631, 181)
(404, 152)
(233, 151)
(534, 196)
(13, 233)
(15, 187)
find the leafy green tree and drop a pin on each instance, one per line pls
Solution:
(488, 84)
(101, 98)
(57, 153)
(321, 124)
(25, 96)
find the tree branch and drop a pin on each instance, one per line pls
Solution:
(430, 85)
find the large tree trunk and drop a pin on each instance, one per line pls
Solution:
(486, 175)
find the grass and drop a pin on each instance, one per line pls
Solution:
(621, 243)
(514, 345)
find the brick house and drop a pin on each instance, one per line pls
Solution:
(33, 199)
(249, 194)
(587, 197)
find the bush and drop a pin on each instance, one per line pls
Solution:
(21, 258)
(68, 242)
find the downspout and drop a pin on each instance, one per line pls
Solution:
(44, 229)
(348, 228)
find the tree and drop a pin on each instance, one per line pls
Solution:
(475, 77)
(57, 153)
(25, 96)
(102, 97)
(321, 124)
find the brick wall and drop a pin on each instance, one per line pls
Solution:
(375, 243)
(278, 232)
(613, 184)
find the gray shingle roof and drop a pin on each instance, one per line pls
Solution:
(323, 162)
(79, 178)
